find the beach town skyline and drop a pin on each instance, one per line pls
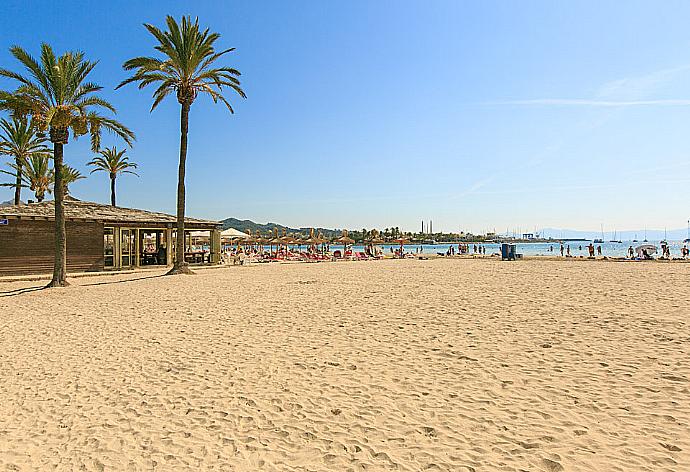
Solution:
(579, 136)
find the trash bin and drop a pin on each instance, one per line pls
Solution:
(508, 252)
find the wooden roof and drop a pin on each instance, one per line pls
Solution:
(81, 210)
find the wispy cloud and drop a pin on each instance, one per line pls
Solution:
(595, 103)
(641, 86)
(475, 187)
(577, 187)
(632, 91)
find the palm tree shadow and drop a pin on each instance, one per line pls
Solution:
(20, 291)
(110, 282)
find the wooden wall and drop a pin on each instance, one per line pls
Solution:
(28, 246)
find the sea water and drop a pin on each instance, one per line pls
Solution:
(577, 248)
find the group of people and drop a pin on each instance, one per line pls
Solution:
(153, 255)
(631, 252)
(372, 250)
(463, 248)
(591, 249)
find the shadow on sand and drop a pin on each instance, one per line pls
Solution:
(20, 291)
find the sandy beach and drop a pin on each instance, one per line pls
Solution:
(446, 365)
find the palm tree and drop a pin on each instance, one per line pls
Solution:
(18, 138)
(35, 174)
(58, 97)
(69, 176)
(113, 162)
(41, 179)
(188, 69)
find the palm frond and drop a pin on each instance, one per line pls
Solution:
(113, 161)
(56, 93)
(186, 65)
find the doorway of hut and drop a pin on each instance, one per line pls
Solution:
(153, 246)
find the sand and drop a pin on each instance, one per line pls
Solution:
(445, 365)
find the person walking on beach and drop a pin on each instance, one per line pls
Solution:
(631, 252)
(599, 250)
(561, 250)
(567, 250)
(590, 248)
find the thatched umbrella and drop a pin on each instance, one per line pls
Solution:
(313, 240)
(249, 241)
(322, 241)
(274, 240)
(344, 240)
(286, 239)
(260, 240)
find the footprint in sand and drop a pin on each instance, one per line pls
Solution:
(552, 466)
(671, 447)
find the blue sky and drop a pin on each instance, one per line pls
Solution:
(477, 115)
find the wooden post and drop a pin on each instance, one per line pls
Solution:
(117, 247)
(168, 246)
(137, 248)
(215, 246)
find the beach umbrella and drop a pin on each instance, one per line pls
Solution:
(275, 239)
(323, 241)
(311, 240)
(232, 233)
(248, 241)
(260, 240)
(402, 242)
(287, 239)
(345, 240)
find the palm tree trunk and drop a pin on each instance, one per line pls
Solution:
(180, 266)
(60, 267)
(112, 189)
(18, 187)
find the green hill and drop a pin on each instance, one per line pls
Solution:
(266, 228)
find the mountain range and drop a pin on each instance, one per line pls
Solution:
(555, 233)
(267, 228)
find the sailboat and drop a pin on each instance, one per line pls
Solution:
(598, 240)
(687, 240)
(635, 239)
(645, 234)
(663, 242)
(615, 238)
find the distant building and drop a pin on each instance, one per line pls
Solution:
(527, 235)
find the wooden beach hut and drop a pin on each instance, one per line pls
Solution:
(99, 237)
